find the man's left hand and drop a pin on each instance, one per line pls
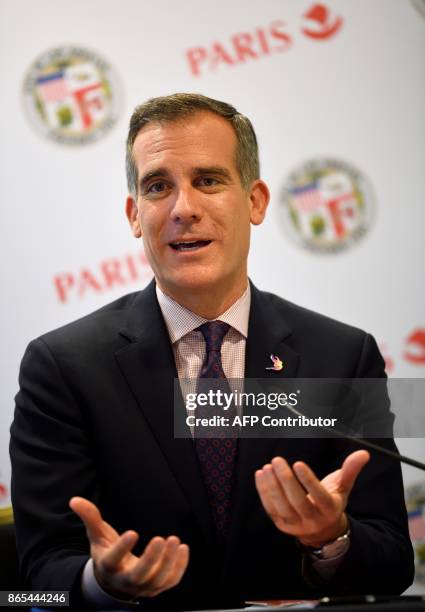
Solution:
(301, 505)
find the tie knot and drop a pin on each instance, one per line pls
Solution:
(214, 332)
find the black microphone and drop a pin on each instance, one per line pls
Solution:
(363, 442)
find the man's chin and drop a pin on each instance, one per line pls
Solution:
(195, 283)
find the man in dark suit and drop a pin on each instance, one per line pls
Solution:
(94, 418)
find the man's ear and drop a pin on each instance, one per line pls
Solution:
(132, 215)
(259, 200)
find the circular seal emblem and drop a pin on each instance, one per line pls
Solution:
(419, 6)
(326, 205)
(71, 95)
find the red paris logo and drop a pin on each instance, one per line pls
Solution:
(109, 274)
(321, 23)
(318, 23)
(415, 347)
(241, 47)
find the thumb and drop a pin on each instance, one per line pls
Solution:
(351, 468)
(90, 515)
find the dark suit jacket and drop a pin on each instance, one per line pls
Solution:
(94, 417)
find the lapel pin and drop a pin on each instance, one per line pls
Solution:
(277, 363)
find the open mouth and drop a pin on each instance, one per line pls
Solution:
(192, 245)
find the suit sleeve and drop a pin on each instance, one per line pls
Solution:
(51, 460)
(380, 556)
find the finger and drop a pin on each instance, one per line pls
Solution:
(352, 467)
(162, 574)
(181, 564)
(147, 562)
(294, 492)
(273, 497)
(322, 498)
(112, 558)
(154, 568)
(91, 517)
(176, 573)
(263, 491)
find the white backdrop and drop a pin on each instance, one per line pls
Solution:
(357, 94)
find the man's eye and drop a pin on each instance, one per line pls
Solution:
(157, 187)
(208, 181)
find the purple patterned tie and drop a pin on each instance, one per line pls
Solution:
(217, 455)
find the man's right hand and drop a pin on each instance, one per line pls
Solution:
(117, 570)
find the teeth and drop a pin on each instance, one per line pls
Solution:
(189, 244)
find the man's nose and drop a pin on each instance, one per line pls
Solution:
(187, 206)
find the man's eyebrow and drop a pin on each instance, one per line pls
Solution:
(217, 170)
(157, 173)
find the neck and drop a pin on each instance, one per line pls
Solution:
(208, 305)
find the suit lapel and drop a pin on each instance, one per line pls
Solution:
(148, 366)
(268, 334)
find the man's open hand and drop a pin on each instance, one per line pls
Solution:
(117, 569)
(300, 505)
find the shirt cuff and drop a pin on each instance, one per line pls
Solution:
(326, 568)
(96, 596)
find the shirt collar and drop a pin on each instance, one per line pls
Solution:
(181, 321)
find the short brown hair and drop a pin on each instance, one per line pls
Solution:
(180, 105)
